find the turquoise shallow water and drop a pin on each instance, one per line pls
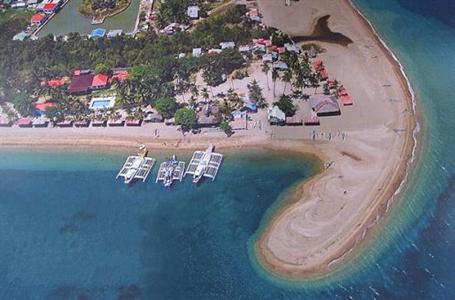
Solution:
(68, 230)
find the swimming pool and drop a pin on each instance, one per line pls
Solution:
(102, 103)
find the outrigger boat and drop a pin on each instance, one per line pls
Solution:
(171, 170)
(137, 167)
(204, 164)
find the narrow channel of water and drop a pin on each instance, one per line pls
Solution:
(69, 19)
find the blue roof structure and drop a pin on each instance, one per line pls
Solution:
(250, 106)
(98, 33)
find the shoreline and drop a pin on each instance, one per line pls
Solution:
(379, 207)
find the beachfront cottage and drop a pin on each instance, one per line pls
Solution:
(193, 12)
(153, 117)
(81, 82)
(240, 120)
(210, 116)
(38, 19)
(249, 106)
(276, 116)
(324, 105)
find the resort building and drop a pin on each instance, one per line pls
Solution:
(240, 120)
(193, 12)
(99, 82)
(276, 116)
(324, 105)
(38, 19)
(81, 82)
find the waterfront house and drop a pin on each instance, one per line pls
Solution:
(82, 123)
(21, 36)
(193, 12)
(40, 122)
(38, 19)
(276, 116)
(4, 121)
(324, 105)
(114, 32)
(50, 8)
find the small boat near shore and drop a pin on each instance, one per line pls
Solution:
(137, 167)
(204, 164)
(170, 171)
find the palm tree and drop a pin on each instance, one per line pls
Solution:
(233, 97)
(205, 94)
(287, 77)
(275, 76)
(266, 69)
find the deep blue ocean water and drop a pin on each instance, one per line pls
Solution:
(69, 231)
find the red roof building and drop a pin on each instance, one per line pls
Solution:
(38, 19)
(99, 82)
(44, 106)
(50, 8)
(80, 84)
(120, 76)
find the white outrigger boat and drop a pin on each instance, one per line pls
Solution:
(171, 170)
(137, 167)
(204, 164)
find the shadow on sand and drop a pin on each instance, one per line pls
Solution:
(323, 33)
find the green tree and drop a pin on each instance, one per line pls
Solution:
(286, 105)
(23, 104)
(226, 127)
(255, 94)
(54, 113)
(166, 107)
(186, 118)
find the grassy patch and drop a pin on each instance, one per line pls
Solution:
(15, 14)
